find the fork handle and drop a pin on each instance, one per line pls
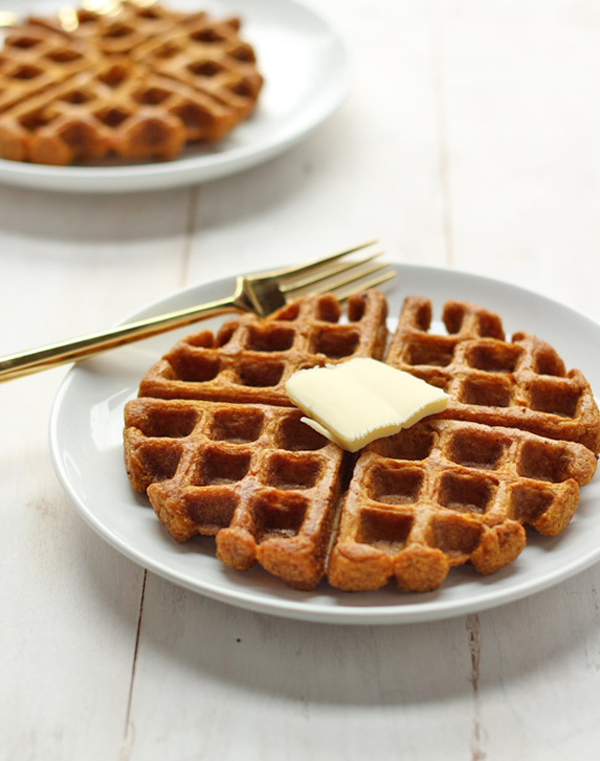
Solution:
(35, 360)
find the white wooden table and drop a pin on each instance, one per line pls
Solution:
(471, 140)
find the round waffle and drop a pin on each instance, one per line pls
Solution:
(136, 83)
(215, 443)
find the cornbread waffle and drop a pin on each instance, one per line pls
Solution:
(139, 83)
(250, 360)
(118, 110)
(441, 493)
(445, 492)
(519, 384)
(266, 484)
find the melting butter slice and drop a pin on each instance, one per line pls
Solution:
(361, 400)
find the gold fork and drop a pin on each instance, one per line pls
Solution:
(261, 294)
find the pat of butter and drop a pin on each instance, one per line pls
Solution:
(361, 400)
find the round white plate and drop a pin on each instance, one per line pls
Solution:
(86, 445)
(306, 69)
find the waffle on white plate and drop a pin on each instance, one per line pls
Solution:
(214, 442)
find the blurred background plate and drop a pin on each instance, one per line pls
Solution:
(307, 76)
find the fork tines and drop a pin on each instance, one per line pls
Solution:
(329, 273)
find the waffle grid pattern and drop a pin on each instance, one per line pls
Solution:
(254, 475)
(446, 492)
(139, 84)
(33, 59)
(250, 360)
(522, 383)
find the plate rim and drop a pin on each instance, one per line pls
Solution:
(305, 610)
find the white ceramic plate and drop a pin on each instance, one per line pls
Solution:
(307, 76)
(86, 444)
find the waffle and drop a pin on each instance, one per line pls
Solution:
(445, 492)
(253, 475)
(521, 383)
(138, 84)
(215, 443)
(250, 360)
(119, 110)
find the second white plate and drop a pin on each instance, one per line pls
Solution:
(307, 76)
(86, 445)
